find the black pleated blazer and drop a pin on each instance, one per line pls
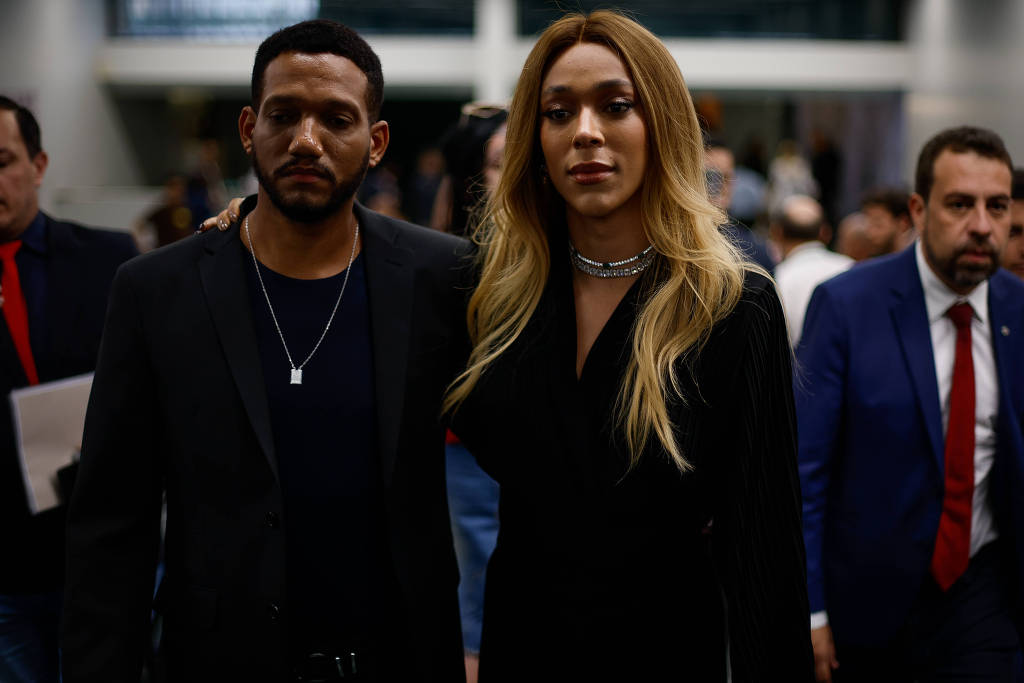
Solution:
(606, 572)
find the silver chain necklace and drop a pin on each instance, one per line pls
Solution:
(297, 371)
(634, 265)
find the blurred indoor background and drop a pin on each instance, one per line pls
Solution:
(139, 99)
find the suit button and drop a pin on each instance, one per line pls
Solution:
(273, 611)
(271, 520)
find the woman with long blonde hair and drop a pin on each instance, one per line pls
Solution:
(629, 387)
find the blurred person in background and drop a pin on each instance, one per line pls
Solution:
(53, 293)
(910, 409)
(208, 168)
(889, 226)
(853, 237)
(421, 190)
(472, 149)
(1013, 255)
(170, 221)
(720, 167)
(748, 196)
(789, 173)
(826, 167)
(381, 193)
(801, 232)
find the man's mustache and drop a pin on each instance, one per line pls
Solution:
(303, 167)
(985, 248)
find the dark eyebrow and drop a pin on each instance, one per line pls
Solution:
(284, 100)
(603, 85)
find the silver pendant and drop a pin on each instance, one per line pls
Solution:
(296, 375)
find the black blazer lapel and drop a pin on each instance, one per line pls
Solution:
(910, 317)
(389, 286)
(223, 280)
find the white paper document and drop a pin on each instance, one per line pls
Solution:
(48, 423)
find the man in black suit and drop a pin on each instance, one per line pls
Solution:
(53, 294)
(281, 384)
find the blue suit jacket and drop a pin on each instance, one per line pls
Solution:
(872, 445)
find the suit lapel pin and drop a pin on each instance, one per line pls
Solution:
(1005, 330)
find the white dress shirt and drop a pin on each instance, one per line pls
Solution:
(805, 267)
(938, 298)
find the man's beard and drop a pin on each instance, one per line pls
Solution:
(303, 210)
(965, 275)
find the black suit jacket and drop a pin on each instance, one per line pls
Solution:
(81, 263)
(179, 405)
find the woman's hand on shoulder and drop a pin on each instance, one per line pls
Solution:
(225, 218)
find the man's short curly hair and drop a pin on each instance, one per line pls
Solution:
(322, 36)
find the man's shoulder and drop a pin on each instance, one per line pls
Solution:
(424, 243)
(1007, 283)
(819, 263)
(69, 233)
(873, 277)
(172, 259)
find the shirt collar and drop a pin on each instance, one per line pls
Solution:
(938, 297)
(34, 236)
(812, 245)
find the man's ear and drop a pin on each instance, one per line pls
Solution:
(39, 164)
(380, 136)
(918, 210)
(246, 124)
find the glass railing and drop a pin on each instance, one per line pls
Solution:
(815, 19)
(818, 19)
(247, 19)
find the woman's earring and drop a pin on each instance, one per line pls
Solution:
(544, 177)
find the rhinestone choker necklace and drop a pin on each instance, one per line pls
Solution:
(634, 265)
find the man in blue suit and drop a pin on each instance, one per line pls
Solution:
(910, 406)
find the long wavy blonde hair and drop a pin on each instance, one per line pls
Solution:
(699, 274)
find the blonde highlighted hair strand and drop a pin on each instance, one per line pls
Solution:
(699, 275)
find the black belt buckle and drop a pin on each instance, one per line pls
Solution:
(320, 667)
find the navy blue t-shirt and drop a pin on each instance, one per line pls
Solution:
(325, 440)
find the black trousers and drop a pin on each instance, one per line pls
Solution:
(964, 634)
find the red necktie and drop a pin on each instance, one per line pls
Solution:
(15, 311)
(953, 543)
